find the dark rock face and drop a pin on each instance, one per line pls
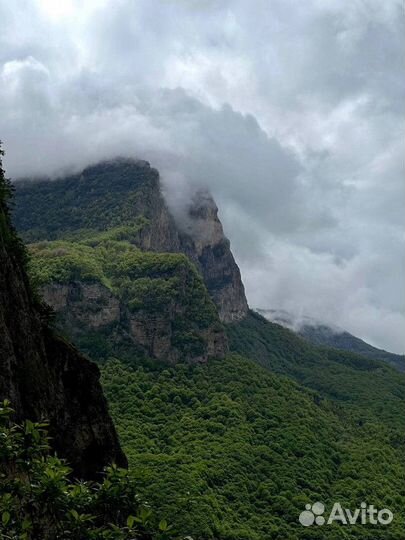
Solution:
(46, 378)
(120, 192)
(206, 245)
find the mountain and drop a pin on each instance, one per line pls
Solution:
(42, 375)
(125, 192)
(321, 334)
(227, 445)
(369, 387)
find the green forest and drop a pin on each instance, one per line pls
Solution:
(202, 262)
(228, 450)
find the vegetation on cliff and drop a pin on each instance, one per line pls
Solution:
(43, 375)
(149, 285)
(125, 195)
(103, 196)
(8, 236)
(228, 450)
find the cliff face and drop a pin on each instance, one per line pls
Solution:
(126, 192)
(205, 244)
(43, 376)
(113, 299)
(90, 304)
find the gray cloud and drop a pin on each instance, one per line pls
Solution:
(288, 111)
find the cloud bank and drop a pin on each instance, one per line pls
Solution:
(290, 112)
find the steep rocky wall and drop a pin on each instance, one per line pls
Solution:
(155, 305)
(46, 378)
(121, 192)
(205, 243)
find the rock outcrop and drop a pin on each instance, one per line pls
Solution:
(89, 304)
(42, 375)
(205, 244)
(127, 192)
(145, 304)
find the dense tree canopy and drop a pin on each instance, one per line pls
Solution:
(228, 450)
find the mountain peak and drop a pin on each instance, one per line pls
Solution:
(127, 192)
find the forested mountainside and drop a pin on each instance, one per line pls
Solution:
(52, 407)
(224, 448)
(321, 334)
(232, 451)
(42, 375)
(125, 192)
(348, 378)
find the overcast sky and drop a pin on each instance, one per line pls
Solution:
(290, 111)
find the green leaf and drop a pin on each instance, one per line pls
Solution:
(130, 521)
(74, 514)
(26, 524)
(5, 518)
(29, 427)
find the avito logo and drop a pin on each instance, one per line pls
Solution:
(314, 514)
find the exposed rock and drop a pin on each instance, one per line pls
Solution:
(89, 304)
(120, 192)
(217, 343)
(182, 326)
(207, 246)
(46, 378)
(155, 335)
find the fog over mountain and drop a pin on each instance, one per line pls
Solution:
(289, 112)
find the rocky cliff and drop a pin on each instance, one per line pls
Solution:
(113, 299)
(42, 375)
(205, 243)
(125, 192)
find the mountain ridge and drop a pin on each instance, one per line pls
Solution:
(319, 333)
(225, 448)
(127, 192)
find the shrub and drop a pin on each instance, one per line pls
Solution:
(38, 499)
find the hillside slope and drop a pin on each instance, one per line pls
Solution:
(357, 382)
(322, 334)
(229, 451)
